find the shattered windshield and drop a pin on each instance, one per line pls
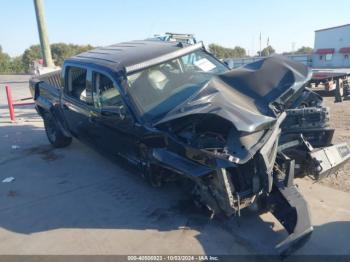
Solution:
(158, 89)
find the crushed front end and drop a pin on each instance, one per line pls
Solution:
(232, 170)
(263, 180)
(241, 137)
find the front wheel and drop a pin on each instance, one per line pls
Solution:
(54, 133)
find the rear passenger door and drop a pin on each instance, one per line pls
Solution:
(77, 101)
(113, 124)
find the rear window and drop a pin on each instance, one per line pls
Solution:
(76, 85)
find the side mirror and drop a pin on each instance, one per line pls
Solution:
(228, 64)
(115, 111)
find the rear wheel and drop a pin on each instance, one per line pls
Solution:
(54, 133)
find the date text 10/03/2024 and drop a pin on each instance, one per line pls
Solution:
(173, 258)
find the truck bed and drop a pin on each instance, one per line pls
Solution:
(46, 89)
(323, 74)
(52, 78)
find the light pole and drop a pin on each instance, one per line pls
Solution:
(44, 41)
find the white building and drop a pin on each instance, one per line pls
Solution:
(332, 47)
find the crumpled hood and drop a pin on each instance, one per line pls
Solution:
(242, 96)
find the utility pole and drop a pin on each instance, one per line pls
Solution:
(293, 48)
(44, 41)
(260, 45)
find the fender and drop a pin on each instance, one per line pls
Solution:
(179, 164)
(43, 104)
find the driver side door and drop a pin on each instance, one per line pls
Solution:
(113, 124)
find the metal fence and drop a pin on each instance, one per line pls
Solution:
(305, 59)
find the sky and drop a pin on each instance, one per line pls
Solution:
(287, 24)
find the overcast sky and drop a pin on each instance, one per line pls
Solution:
(226, 22)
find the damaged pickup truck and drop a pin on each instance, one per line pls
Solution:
(173, 110)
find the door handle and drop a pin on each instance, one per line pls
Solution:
(92, 117)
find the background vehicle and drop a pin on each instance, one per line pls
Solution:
(177, 37)
(176, 112)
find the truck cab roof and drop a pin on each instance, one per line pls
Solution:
(120, 56)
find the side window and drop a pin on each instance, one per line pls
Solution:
(77, 86)
(106, 93)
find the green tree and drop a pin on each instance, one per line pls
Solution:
(269, 50)
(300, 51)
(17, 65)
(31, 54)
(21, 64)
(239, 51)
(304, 50)
(59, 51)
(225, 52)
(5, 62)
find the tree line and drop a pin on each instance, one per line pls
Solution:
(61, 51)
(239, 52)
(22, 63)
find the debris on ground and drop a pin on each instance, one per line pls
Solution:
(12, 193)
(8, 179)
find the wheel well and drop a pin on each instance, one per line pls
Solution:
(41, 110)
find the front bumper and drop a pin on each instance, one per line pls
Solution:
(328, 160)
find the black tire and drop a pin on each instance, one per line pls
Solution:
(339, 92)
(262, 204)
(54, 133)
